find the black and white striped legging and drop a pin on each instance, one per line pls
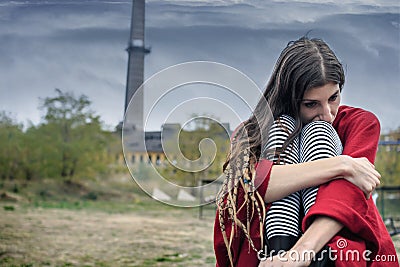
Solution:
(317, 140)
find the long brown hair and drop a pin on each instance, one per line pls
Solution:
(303, 64)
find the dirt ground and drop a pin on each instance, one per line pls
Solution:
(151, 236)
(63, 237)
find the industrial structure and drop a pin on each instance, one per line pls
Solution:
(141, 146)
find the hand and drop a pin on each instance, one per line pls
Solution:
(361, 173)
(288, 259)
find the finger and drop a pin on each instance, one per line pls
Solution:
(377, 179)
(365, 191)
(364, 159)
(375, 176)
(370, 188)
(374, 184)
(376, 173)
(372, 165)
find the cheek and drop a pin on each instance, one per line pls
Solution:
(337, 104)
(335, 108)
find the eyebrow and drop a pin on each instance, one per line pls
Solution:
(313, 100)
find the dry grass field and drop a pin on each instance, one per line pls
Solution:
(116, 226)
(68, 237)
(99, 223)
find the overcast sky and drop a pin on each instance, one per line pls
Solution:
(79, 46)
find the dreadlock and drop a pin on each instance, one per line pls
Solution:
(239, 170)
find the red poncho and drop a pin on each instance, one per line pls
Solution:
(363, 230)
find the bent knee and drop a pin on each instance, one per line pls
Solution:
(284, 124)
(317, 137)
(318, 126)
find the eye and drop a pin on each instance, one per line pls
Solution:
(310, 104)
(333, 98)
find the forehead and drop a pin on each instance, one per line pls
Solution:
(321, 92)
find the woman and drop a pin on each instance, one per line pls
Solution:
(304, 97)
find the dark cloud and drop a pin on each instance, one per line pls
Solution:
(367, 44)
(90, 35)
(79, 45)
(252, 13)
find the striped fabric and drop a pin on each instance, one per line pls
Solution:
(317, 140)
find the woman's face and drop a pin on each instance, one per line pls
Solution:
(320, 103)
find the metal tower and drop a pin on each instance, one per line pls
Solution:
(136, 50)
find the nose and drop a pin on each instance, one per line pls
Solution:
(326, 114)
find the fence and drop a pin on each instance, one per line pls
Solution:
(388, 203)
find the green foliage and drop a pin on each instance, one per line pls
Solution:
(10, 135)
(388, 161)
(67, 144)
(74, 132)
